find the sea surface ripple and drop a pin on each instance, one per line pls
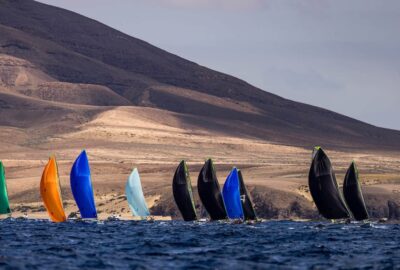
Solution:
(37, 244)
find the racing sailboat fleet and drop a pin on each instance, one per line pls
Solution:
(232, 202)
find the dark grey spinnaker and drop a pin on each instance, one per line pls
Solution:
(210, 192)
(353, 194)
(182, 190)
(324, 188)
(248, 209)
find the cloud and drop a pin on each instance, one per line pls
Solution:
(233, 5)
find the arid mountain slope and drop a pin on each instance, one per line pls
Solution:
(154, 141)
(40, 116)
(74, 49)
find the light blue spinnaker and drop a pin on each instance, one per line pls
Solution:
(134, 195)
(231, 195)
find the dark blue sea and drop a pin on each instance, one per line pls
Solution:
(209, 245)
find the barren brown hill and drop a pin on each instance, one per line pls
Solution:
(68, 83)
(75, 49)
(62, 120)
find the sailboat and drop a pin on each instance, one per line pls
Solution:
(247, 204)
(353, 194)
(324, 188)
(135, 197)
(210, 192)
(81, 186)
(4, 204)
(182, 190)
(51, 192)
(231, 195)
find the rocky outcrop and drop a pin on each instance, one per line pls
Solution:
(268, 203)
(394, 210)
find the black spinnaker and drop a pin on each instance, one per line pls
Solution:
(353, 194)
(324, 188)
(210, 192)
(182, 190)
(248, 209)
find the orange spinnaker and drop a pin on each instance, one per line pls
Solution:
(51, 193)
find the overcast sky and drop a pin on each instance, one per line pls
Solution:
(338, 54)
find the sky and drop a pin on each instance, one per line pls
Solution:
(337, 54)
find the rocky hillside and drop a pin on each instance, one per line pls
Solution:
(73, 49)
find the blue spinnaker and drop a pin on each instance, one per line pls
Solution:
(134, 195)
(231, 195)
(81, 186)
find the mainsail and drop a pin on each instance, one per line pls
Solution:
(81, 186)
(353, 194)
(51, 192)
(248, 209)
(324, 188)
(231, 195)
(182, 190)
(4, 204)
(210, 193)
(134, 195)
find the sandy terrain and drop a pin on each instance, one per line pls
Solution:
(154, 141)
(40, 116)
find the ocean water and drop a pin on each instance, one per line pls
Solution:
(208, 245)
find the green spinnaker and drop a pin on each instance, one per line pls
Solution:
(4, 204)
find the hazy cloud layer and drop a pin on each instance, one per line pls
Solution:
(214, 4)
(338, 54)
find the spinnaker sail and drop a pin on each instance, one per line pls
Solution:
(210, 192)
(247, 204)
(182, 190)
(4, 203)
(51, 192)
(324, 188)
(231, 195)
(81, 186)
(353, 194)
(134, 195)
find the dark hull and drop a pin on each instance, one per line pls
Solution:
(210, 192)
(353, 194)
(324, 188)
(182, 190)
(248, 209)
